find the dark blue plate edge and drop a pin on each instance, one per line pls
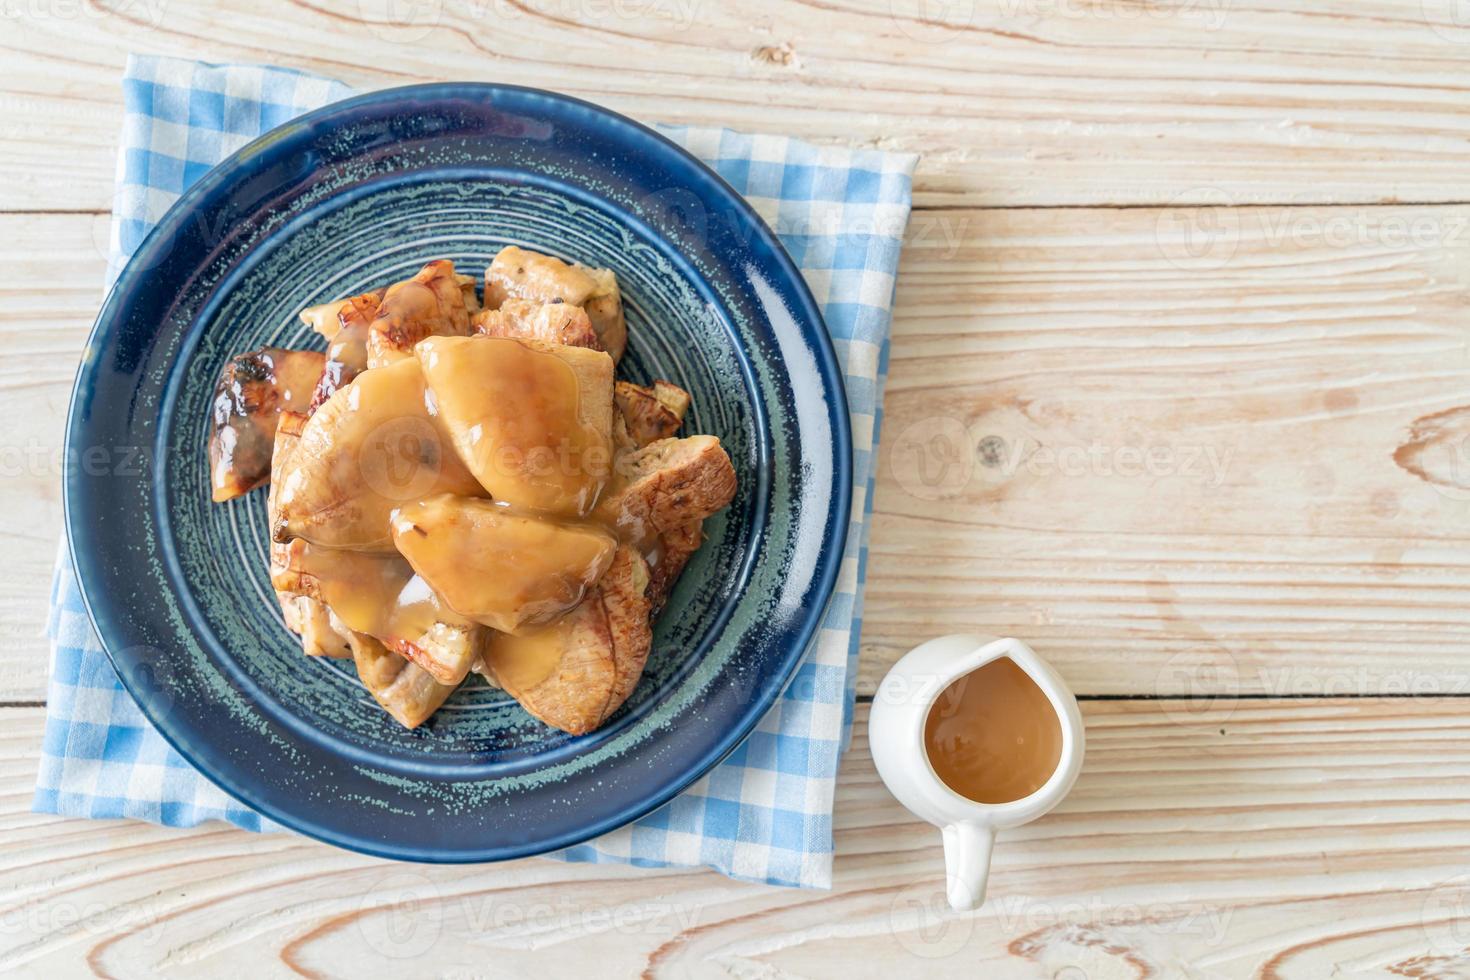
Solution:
(835, 535)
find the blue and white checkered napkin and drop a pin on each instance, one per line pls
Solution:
(765, 814)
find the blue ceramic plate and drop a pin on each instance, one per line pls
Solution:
(358, 194)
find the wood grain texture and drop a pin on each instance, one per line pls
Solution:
(1200, 451)
(1183, 451)
(1012, 102)
(1301, 839)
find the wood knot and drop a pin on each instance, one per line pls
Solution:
(783, 54)
(1437, 449)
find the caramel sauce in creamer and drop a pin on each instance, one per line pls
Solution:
(993, 736)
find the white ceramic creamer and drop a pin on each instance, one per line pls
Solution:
(896, 733)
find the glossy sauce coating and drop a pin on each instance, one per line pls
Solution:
(521, 662)
(442, 504)
(430, 304)
(252, 391)
(345, 324)
(374, 446)
(533, 422)
(510, 572)
(526, 415)
(379, 595)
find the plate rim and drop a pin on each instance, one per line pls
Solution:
(820, 341)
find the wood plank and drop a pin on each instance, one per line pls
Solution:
(1013, 102)
(1317, 563)
(1287, 839)
(1236, 469)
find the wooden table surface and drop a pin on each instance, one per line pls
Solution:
(1180, 393)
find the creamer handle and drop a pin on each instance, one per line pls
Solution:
(967, 863)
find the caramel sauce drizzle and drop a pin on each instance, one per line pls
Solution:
(532, 424)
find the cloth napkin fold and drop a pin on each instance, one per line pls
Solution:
(765, 813)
